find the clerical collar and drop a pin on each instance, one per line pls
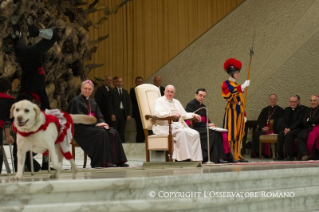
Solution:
(85, 98)
(231, 79)
(273, 106)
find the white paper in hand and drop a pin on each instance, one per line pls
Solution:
(218, 129)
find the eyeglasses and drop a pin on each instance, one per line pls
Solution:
(293, 102)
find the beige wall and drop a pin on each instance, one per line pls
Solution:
(145, 34)
(285, 61)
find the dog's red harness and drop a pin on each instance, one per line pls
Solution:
(49, 119)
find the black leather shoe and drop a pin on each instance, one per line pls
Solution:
(288, 158)
(242, 160)
(110, 165)
(222, 161)
(123, 165)
(233, 161)
(278, 158)
(305, 157)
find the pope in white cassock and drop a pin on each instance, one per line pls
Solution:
(186, 140)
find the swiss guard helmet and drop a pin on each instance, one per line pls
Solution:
(232, 65)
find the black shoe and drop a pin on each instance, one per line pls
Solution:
(233, 161)
(110, 165)
(305, 157)
(222, 161)
(242, 160)
(289, 158)
(123, 165)
(278, 158)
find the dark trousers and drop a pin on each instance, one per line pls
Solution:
(120, 125)
(140, 137)
(288, 139)
(302, 139)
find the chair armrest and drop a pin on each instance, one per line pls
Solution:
(172, 118)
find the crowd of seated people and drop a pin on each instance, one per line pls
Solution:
(296, 127)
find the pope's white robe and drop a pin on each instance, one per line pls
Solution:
(186, 140)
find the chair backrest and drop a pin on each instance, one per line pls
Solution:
(146, 94)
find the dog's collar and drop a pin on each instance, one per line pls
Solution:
(48, 119)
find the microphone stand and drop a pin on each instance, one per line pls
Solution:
(208, 163)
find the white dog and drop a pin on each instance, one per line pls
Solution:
(36, 133)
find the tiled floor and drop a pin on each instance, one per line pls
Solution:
(136, 170)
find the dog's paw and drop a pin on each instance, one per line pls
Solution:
(75, 171)
(53, 176)
(15, 177)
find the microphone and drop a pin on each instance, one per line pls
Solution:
(207, 131)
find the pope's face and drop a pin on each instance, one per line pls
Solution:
(169, 93)
(87, 90)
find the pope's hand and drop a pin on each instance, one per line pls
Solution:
(197, 117)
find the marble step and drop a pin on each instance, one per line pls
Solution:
(134, 193)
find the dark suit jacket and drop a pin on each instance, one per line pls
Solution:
(101, 98)
(135, 109)
(295, 121)
(115, 102)
(162, 89)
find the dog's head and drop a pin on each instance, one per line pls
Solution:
(26, 115)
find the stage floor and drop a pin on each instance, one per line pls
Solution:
(136, 169)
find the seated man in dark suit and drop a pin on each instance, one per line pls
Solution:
(273, 111)
(289, 129)
(217, 149)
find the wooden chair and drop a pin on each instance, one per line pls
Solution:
(74, 144)
(271, 138)
(146, 94)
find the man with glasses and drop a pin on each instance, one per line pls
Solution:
(289, 129)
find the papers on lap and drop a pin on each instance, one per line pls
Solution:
(218, 129)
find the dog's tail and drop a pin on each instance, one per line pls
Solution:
(83, 119)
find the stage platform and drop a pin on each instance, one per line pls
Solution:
(260, 186)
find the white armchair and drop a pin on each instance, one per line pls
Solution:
(146, 94)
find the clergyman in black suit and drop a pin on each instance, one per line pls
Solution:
(157, 82)
(140, 137)
(289, 129)
(102, 97)
(120, 108)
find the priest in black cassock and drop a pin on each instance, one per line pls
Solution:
(273, 111)
(217, 152)
(102, 144)
(305, 140)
